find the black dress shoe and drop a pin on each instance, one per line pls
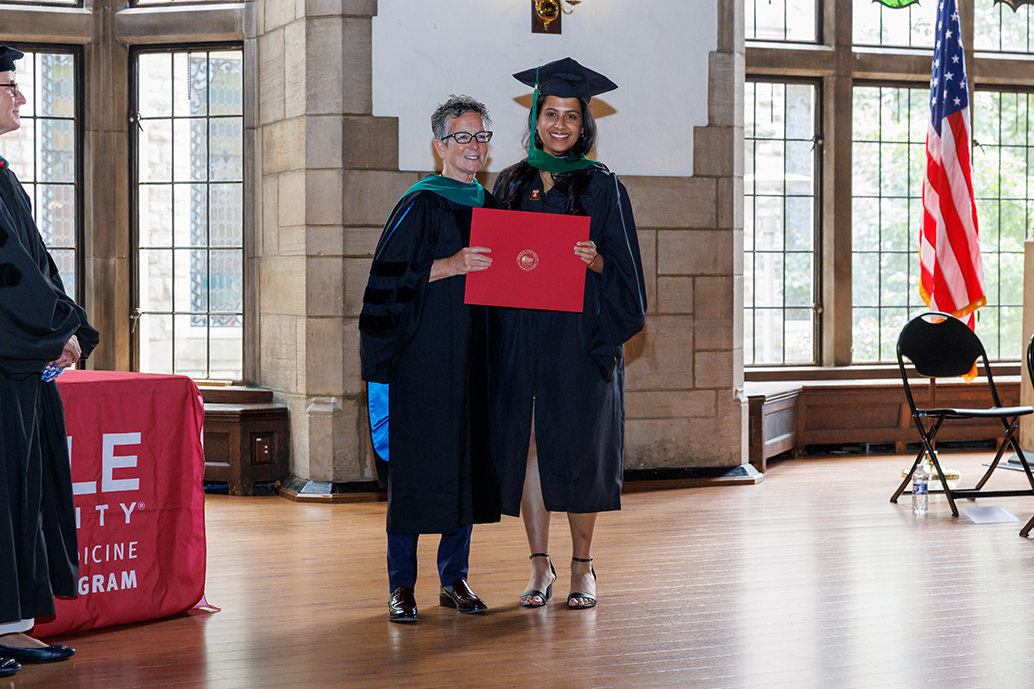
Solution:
(48, 654)
(461, 598)
(9, 666)
(402, 605)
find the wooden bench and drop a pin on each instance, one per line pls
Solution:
(790, 416)
(773, 420)
(246, 438)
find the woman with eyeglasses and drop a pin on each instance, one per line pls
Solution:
(416, 347)
(557, 378)
(42, 331)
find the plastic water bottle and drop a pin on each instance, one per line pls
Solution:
(920, 494)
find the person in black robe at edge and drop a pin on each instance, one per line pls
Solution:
(41, 332)
(557, 378)
(416, 348)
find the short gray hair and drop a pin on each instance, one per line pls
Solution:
(456, 106)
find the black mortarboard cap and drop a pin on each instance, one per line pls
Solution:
(565, 78)
(7, 58)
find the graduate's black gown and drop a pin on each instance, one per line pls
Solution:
(38, 551)
(569, 367)
(415, 337)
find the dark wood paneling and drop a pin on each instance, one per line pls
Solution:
(850, 412)
(773, 424)
(235, 394)
(245, 444)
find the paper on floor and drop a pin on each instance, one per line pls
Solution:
(987, 515)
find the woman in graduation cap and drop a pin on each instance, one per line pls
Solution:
(557, 378)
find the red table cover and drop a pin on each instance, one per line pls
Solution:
(533, 261)
(137, 472)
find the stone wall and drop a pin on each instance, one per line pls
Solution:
(314, 103)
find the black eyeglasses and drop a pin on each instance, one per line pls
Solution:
(466, 137)
(12, 88)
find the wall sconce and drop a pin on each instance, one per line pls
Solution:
(548, 12)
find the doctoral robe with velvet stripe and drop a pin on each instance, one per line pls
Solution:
(416, 348)
(568, 368)
(38, 546)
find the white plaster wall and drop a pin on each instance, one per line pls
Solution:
(656, 51)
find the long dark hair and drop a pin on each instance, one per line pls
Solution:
(515, 179)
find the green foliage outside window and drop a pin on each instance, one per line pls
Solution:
(998, 27)
(888, 159)
(1003, 162)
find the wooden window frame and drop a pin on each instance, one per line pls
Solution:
(839, 65)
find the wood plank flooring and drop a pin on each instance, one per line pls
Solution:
(809, 579)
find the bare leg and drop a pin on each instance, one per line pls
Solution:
(582, 581)
(21, 641)
(536, 525)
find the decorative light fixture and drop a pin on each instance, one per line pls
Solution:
(548, 11)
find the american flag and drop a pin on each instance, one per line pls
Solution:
(952, 277)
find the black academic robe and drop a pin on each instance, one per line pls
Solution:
(38, 548)
(415, 338)
(569, 367)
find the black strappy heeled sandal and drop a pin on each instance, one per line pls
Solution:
(531, 593)
(578, 594)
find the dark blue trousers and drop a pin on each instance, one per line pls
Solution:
(453, 558)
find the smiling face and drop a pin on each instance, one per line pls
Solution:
(559, 124)
(463, 161)
(9, 118)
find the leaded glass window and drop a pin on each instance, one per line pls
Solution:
(1000, 28)
(782, 20)
(44, 153)
(1003, 181)
(59, 3)
(876, 24)
(190, 212)
(887, 70)
(178, 2)
(888, 161)
(780, 222)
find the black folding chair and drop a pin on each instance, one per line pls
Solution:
(1030, 374)
(945, 347)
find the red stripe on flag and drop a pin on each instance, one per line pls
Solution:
(962, 232)
(955, 284)
(951, 273)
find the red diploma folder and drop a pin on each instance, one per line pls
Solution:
(533, 261)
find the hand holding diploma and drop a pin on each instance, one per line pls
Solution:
(534, 269)
(587, 252)
(469, 259)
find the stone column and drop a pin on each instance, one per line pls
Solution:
(318, 145)
(718, 288)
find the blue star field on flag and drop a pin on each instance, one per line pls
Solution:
(948, 93)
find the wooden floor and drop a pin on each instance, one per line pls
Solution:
(810, 579)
